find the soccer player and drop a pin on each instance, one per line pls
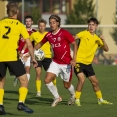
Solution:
(62, 62)
(37, 37)
(10, 30)
(25, 57)
(88, 44)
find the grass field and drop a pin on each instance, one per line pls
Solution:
(107, 76)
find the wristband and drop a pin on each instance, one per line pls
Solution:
(22, 51)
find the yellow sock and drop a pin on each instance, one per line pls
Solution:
(54, 82)
(38, 85)
(22, 94)
(99, 94)
(77, 95)
(1, 96)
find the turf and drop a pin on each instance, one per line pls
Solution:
(107, 77)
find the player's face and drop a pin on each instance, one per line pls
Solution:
(41, 27)
(92, 27)
(53, 24)
(28, 22)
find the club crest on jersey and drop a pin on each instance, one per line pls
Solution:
(59, 39)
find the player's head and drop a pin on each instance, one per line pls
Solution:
(12, 9)
(28, 21)
(41, 25)
(54, 21)
(92, 25)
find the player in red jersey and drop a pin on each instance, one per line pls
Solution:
(25, 57)
(62, 63)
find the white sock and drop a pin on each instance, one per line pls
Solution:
(71, 90)
(28, 76)
(53, 89)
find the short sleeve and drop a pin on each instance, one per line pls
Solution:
(99, 42)
(80, 35)
(69, 37)
(45, 39)
(24, 32)
(31, 37)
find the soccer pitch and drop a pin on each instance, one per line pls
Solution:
(107, 76)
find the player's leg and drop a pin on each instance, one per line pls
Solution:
(2, 82)
(97, 90)
(46, 64)
(38, 70)
(66, 75)
(19, 71)
(52, 72)
(95, 84)
(26, 61)
(78, 69)
(27, 67)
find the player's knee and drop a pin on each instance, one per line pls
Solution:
(81, 81)
(67, 85)
(95, 84)
(47, 81)
(38, 74)
(23, 80)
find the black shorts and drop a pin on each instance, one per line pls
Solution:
(15, 68)
(45, 63)
(86, 69)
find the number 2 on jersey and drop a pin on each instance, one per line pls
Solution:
(5, 36)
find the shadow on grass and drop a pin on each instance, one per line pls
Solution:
(32, 99)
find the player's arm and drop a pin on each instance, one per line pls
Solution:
(73, 62)
(31, 51)
(39, 45)
(76, 37)
(105, 46)
(23, 50)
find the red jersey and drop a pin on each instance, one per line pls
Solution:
(60, 43)
(22, 41)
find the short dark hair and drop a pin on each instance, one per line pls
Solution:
(56, 17)
(29, 16)
(93, 20)
(41, 21)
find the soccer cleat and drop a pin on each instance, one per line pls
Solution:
(2, 111)
(15, 82)
(77, 102)
(22, 107)
(104, 102)
(71, 101)
(56, 101)
(38, 94)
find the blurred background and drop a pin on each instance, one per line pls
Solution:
(74, 15)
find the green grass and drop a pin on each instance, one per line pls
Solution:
(107, 76)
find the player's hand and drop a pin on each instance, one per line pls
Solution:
(73, 62)
(21, 55)
(34, 62)
(102, 38)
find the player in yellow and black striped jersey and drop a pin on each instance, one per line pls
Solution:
(10, 30)
(88, 44)
(37, 37)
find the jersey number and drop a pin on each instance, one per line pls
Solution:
(5, 36)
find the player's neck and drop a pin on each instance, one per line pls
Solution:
(56, 30)
(42, 32)
(14, 17)
(29, 29)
